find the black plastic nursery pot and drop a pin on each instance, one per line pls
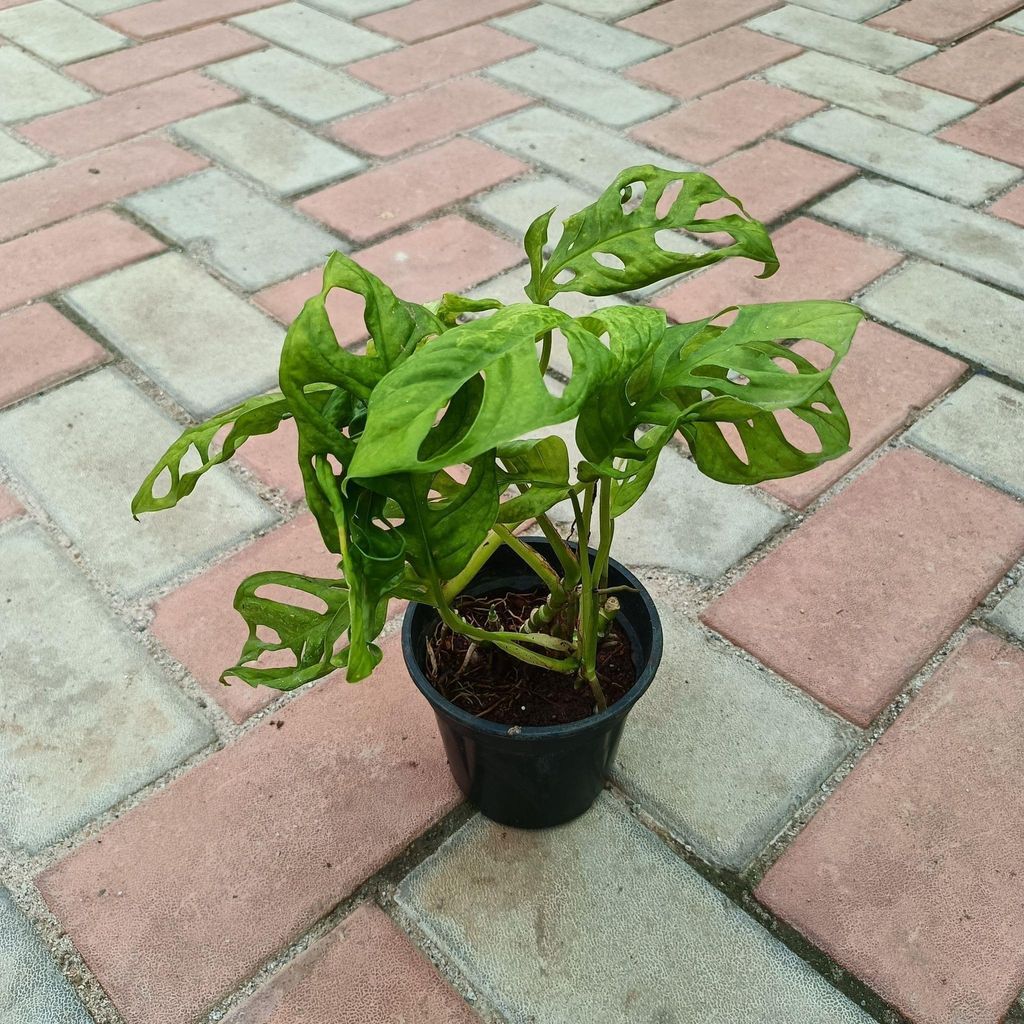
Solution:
(535, 776)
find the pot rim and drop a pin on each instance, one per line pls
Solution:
(539, 732)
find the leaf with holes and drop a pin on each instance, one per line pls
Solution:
(538, 467)
(612, 246)
(741, 375)
(515, 400)
(261, 414)
(310, 635)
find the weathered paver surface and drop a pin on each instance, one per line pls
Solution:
(172, 175)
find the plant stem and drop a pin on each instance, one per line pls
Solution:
(606, 529)
(545, 352)
(477, 561)
(534, 559)
(588, 623)
(512, 643)
(569, 562)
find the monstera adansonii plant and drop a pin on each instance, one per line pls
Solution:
(426, 453)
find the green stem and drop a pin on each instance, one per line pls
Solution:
(606, 528)
(477, 561)
(509, 642)
(570, 564)
(588, 622)
(545, 353)
(534, 559)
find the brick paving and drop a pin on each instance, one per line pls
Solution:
(815, 815)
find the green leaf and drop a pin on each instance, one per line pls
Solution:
(259, 415)
(607, 250)
(312, 356)
(373, 561)
(515, 400)
(310, 635)
(451, 307)
(739, 375)
(539, 468)
(442, 533)
(608, 422)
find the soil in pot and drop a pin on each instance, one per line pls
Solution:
(493, 685)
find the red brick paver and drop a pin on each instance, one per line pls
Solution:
(428, 116)
(996, 130)
(272, 457)
(977, 69)
(199, 626)
(164, 16)
(720, 122)
(816, 260)
(854, 602)
(38, 347)
(711, 62)
(9, 505)
(682, 21)
(364, 972)
(423, 19)
(435, 60)
(185, 895)
(67, 253)
(163, 57)
(449, 254)
(391, 196)
(912, 875)
(124, 114)
(884, 379)
(774, 178)
(942, 21)
(87, 182)
(1011, 206)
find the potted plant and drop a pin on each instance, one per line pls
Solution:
(422, 463)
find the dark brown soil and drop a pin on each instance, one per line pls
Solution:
(491, 684)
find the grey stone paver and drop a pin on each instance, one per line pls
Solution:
(16, 158)
(599, 95)
(1014, 23)
(611, 10)
(586, 40)
(514, 207)
(953, 312)
(854, 10)
(870, 92)
(245, 236)
(722, 523)
(968, 241)
(979, 429)
(32, 988)
(315, 34)
(296, 85)
(840, 37)
(599, 921)
(268, 148)
(83, 449)
(58, 33)
(95, 719)
(31, 89)
(720, 751)
(906, 156)
(1009, 613)
(587, 153)
(199, 341)
(354, 8)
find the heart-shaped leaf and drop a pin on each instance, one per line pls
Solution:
(539, 468)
